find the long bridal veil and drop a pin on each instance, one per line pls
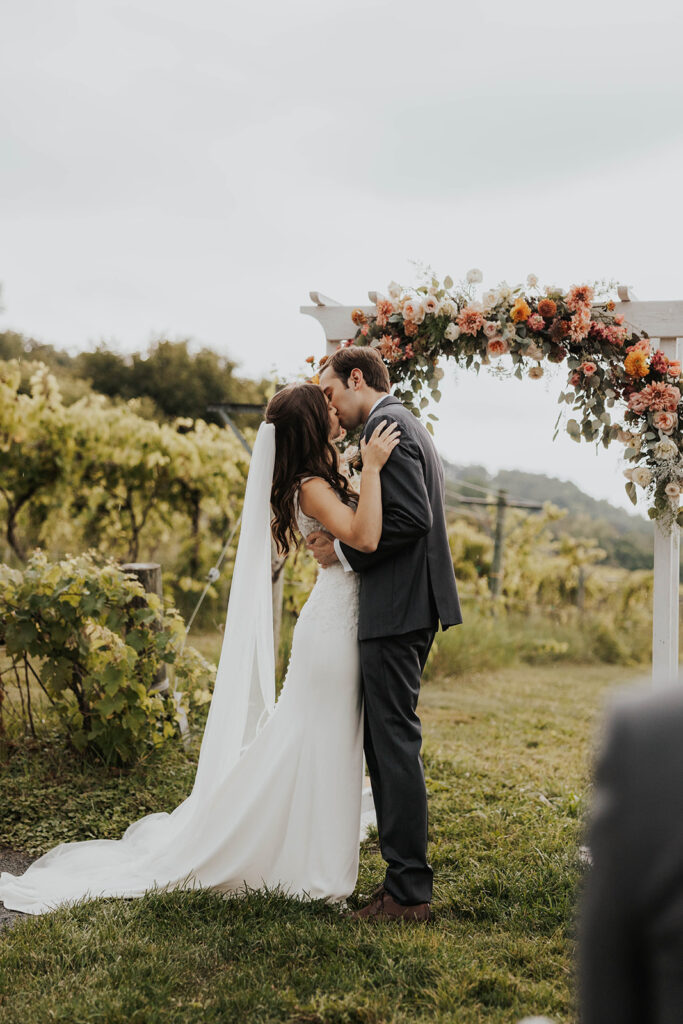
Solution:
(157, 849)
(244, 692)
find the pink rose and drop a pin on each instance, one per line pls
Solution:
(536, 322)
(665, 421)
(491, 328)
(674, 368)
(588, 368)
(497, 347)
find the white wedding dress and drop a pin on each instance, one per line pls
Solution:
(277, 795)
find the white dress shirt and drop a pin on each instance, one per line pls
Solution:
(337, 546)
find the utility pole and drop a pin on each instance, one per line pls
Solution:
(501, 503)
(496, 574)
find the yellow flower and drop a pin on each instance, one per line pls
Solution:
(635, 364)
(520, 311)
(314, 380)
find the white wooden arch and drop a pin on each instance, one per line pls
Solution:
(661, 321)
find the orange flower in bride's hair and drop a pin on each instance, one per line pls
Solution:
(315, 379)
(520, 311)
(310, 359)
(358, 317)
(547, 308)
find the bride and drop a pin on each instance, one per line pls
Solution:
(276, 799)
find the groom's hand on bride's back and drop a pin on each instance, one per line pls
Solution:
(321, 546)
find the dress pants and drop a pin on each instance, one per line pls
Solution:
(391, 669)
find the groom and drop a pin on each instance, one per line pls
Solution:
(407, 587)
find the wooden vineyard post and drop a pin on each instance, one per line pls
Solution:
(149, 575)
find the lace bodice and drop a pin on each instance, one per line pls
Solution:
(306, 523)
(333, 603)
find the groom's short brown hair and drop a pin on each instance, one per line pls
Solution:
(363, 358)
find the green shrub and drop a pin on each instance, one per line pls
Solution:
(89, 636)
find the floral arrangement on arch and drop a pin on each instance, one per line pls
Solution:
(609, 365)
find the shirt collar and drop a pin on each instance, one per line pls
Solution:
(376, 404)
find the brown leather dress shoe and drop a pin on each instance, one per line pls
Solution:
(385, 908)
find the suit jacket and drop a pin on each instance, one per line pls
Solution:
(631, 935)
(408, 582)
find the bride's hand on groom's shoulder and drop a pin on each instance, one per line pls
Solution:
(321, 546)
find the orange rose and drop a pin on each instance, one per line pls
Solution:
(358, 317)
(520, 311)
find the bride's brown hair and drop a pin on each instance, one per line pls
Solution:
(302, 448)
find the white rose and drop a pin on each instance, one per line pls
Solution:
(531, 281)
(394, 290)
(448, 307)
(642, 476)
(412, 309)
(504, 291)
(665, 449)
(489, 299)
(431, 305)
(672, 489)
(452, 332)
(533, 351)
(474, 276)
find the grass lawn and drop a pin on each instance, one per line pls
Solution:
(506, 755)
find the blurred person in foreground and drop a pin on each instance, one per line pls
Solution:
(631, 920)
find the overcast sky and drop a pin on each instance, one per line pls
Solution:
(194, 170)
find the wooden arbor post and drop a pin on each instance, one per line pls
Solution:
(662, 321)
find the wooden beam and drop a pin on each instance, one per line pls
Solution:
(334, 318)
(657, 319)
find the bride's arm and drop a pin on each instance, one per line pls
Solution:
(361, 527)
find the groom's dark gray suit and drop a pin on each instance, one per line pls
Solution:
(407, 587)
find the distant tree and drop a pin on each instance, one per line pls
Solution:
(180, 383)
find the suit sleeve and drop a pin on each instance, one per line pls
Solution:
(611, 979)
(406, 510)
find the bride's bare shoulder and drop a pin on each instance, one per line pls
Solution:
(312, 491)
